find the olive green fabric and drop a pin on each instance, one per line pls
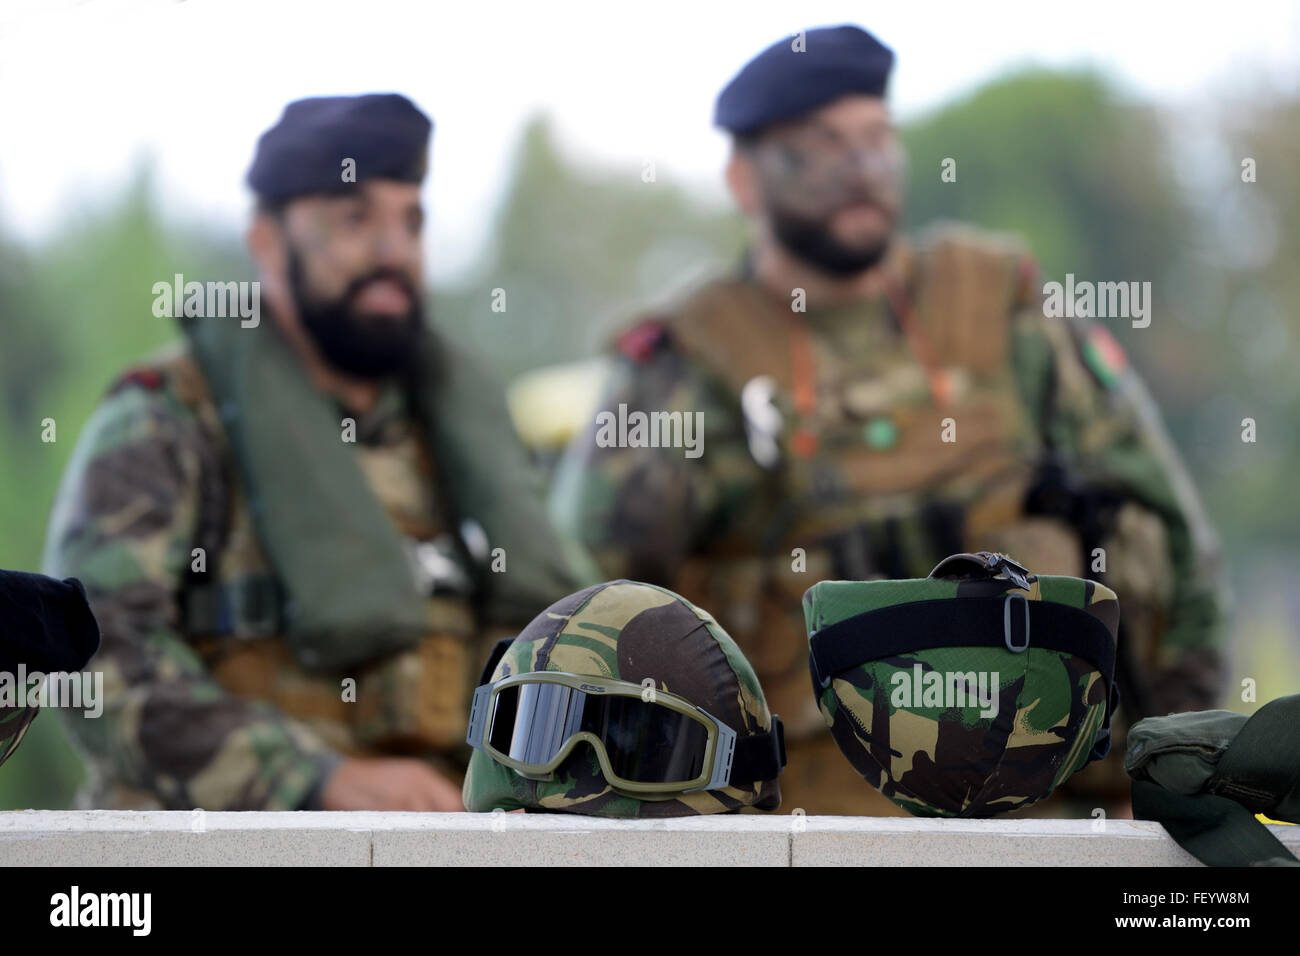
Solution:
(1204, 776)
(491, 480)
(1180, 751)
(625, 630)
(351, 593)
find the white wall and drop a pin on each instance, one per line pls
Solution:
(118, 838)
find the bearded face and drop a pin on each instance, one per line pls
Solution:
(831, 185)
(352, 336)
(353, 266)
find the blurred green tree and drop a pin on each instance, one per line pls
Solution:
(74, 312)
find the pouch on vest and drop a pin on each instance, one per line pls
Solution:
(413, 701)
(418, 698)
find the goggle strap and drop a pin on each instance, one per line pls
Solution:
(498, 651)
(759, 756)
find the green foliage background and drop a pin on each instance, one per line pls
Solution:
(1099, 185)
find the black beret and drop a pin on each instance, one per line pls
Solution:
(784, 82)
(303, 153)
(45, 624)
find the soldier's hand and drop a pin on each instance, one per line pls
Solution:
(389, 783)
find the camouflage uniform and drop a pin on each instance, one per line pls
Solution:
(223, 717)
(857, 482)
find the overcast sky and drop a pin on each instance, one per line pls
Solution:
(88, 87)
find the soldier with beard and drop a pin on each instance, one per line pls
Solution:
(871, 406)
(300, 536)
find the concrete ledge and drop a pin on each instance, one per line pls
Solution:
(889, 841)
(517, 839)
(198, 838)
(183, 838)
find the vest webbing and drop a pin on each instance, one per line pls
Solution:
(961, 287)
(209, 605)
(372, 591)
(956, 280)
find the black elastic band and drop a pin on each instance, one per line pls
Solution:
(759, 756)
(957, 622)
(498, 651)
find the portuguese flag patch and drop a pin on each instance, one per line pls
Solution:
(1103, 355)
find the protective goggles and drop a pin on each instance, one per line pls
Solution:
(647, 741)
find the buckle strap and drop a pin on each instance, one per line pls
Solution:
(984, 564)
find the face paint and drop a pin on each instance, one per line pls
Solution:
(363, 345)
(805, 187)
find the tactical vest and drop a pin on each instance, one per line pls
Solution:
(412, 702)
(865, 484)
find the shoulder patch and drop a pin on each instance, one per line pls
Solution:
(643, 339)
(148, 378)
(1103, 355)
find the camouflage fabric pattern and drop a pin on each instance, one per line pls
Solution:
(14, 724)
(229, 721)
(625, 630)
(936, 757)
(124, 523)
(881, 496)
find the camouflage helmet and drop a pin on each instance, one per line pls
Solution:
(971, 692)
(643, 634)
